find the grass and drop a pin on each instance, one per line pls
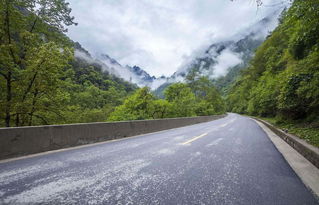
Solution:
(307, 131)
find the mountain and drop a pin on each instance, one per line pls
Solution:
(141, 74)
(222, 60)
(245, 49)
(88, 69)
(135, 74)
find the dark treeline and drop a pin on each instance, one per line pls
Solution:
(282, 80)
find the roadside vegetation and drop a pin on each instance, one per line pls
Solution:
(196, 97)
(307, 131)
(282, 80)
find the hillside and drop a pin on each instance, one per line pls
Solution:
(42, 79)
(222, 60)
(282, 80)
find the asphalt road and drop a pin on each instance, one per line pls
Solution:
(227, 161)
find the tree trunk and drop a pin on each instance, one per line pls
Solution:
(33, 106)
(17, 120)
(8, 103)
(9, 75)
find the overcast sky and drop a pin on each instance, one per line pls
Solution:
(158, 35)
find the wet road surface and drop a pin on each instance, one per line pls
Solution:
(227, 161)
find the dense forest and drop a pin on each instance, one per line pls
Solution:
(281, 83)
(282, 79)
(41, 82)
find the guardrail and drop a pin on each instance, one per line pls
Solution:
(21, 141)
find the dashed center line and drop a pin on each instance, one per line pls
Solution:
(193, 139)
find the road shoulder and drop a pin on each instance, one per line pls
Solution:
(307, 172)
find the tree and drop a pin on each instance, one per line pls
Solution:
(138, 106)
(208, 100)
(39, 93)
(26, 27)
(182, 100)
(160, 109)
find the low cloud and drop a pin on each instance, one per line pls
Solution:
(157, 35)
(226, 60)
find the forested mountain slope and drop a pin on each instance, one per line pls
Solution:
(41, 82)
(282, 79)
(222, 59)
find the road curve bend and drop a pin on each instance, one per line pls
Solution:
(227, 161)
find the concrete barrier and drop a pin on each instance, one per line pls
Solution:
(311, 153)
(30, 140)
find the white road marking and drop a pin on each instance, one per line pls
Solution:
(193, 139)
(227, 123)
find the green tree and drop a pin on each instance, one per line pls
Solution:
(208, 100)
(160, 109)
(28, 26)
(138, 106)
(39, 91)
(182, 100)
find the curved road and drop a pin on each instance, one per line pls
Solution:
(227, 161)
